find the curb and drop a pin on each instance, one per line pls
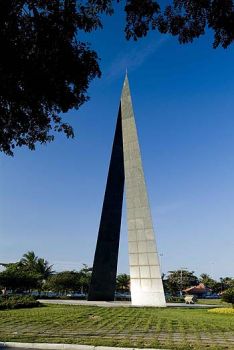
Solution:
(46, 346)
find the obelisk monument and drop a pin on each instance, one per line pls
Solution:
(126, 164)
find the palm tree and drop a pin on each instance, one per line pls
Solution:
(123, 282)
(29, 260)
(40, 266)
(207, 280)
(43, 268)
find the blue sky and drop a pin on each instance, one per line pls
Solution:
(183, 101)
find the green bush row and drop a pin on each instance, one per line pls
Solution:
(172, 299)
(60, 297)
(18, 302)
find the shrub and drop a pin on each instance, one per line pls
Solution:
(18, 302)
(172, 299)
(228, 296)
(222, 310)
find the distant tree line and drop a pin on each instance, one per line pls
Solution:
(34, 273)
(27, 274)
(179, 280)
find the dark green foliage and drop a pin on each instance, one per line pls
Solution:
(40, 266)
(123, 282)
(228, 296)
(141, 17)
(178, 280)
(34, 273)
(207, 281)
(189, 19)
(29, 273)
(85, 278)
(16, 278)
(186, 19)
(46, 69)
(18, 302)
(64, 282)
(227, 282)
(172, 299)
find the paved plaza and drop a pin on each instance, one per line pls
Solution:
(117, 303)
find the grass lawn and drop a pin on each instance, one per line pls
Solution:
(171, 328)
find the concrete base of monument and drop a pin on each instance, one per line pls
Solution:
(143, 298)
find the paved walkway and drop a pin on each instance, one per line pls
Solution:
(116, 303)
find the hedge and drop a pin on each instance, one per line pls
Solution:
(18, 302)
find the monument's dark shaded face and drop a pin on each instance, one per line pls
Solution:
(126, 167)
(103, 279)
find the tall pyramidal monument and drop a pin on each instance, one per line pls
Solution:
(126, 167)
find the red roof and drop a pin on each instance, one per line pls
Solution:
(201, 288)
